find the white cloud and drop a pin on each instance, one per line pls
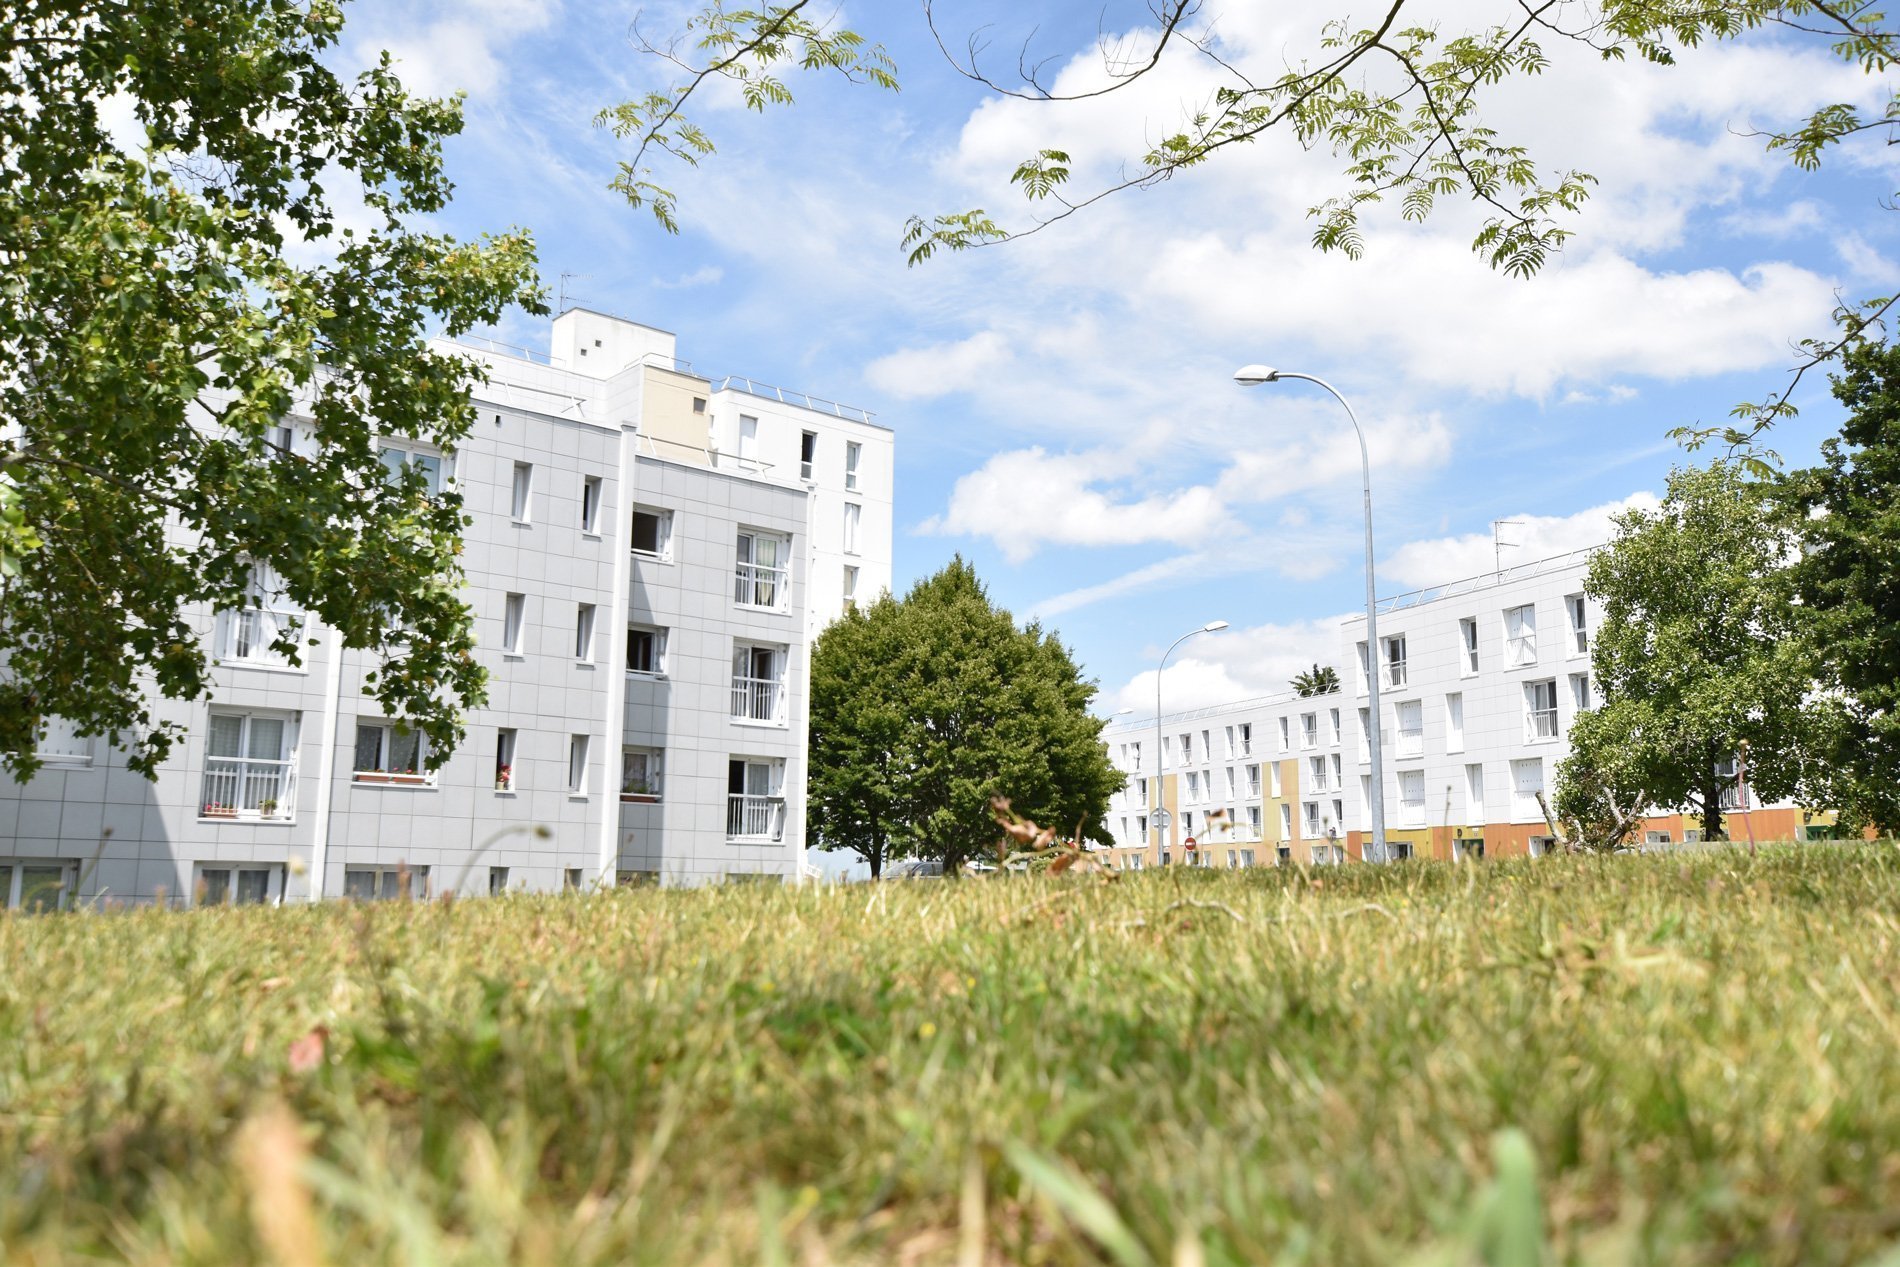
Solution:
(454, 47)
(705, 275)
(942, 368)
(1445, 559)
(1235, 665)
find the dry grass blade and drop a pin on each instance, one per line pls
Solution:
(271, 1154)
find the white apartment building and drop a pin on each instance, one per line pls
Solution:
(1479, 683)
(650, 556)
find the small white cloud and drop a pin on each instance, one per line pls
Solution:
(1235, 665)
(707, 275)
(942, 368)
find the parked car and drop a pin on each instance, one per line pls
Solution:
(916, 869)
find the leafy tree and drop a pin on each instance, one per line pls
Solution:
(1318, 680)
(1697, 653)
(157, 327)
(925, 708)
(1846, 512)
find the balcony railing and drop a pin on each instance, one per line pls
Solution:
(755, 817)
(235, 785)
(1394, 673)
(757, 699)
(757, 586)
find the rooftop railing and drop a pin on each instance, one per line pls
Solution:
(1488, 580)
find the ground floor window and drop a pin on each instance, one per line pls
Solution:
(755, 799)
(637, 879)
(29, 885)
(497, 881)
(233, 884)
(385, 884)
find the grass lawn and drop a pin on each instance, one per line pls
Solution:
(1661, 1059)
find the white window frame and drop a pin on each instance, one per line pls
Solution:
(756, 811)
(1541, 723)
(1454, 721)
(1333, 721)
(247, 636)
(853, 526)
(1411, 798)
(1253, 780)
(644, 766)
(850, 585)
(1581, 700)
(61, 744)
(1309, 731)
(1275, 780)
(663, 530)
(751, 579)
(1468, 646)
(1520, 635)
(437, 474)
(1285, 731)
(13, 882)
(593, 488)
(1524, 807)
(1411, 739)
(1576, 609)
(384, 881)
(233, 874)
(1392, 661)
(807, 454)
(658, 635)
(1246, 739)
(584, 620)
(756, 700)
(1316, 770)
(853, 455)
(507, 742)
(1474, 794)
(384, 772)
(237, 786)
(514, 624)
(521, 494)
(1286, 820)
(579, 759)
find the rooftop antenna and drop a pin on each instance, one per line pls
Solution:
(1498, 544)
(564, 296)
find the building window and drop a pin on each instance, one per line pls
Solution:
(1230, 743)
(1410, 717)
(1286, 822)
(640, 774)
(1310, 810)
(1339, 814)
(1284, 743)
(807, 453)
(60, 743)
(1187, 749)
(1317, 780)
(590, 506)
(1141, 826)
(577, 765)
(261, 631)
(755, 800)
(514, 621)
(505, 760)
(748, 441)
(1253, 780)
(1541, 845)
(1333, 720)
(1520, 636)
(584, 632)
(1273, 777)
(646, 650)
(1309, 730)
(852, 452)
(1365, 800)
(1365, 734)
(222, 884)
(521, 504)
(1365, 668)
(1253, 824)
(388, 752)
(699, 404)
(758, 683)
(1474, 792)
(1540, 710)
(1527, 783)
(853, 518)
(1412, 798)
(398, 458)
(653, 533)
(1339, 778)
(572, 879)
(1134, 755)
(1455, 722)
(1246, 739)
(1468, 639)
(1193, 787)
(37, 885)
(248, 769)
(1394, 660)
(1579, 634)
(497, 881)
(850, 586)
(761, 574)
(385, 884)
(1580, 692)
(1468, 849)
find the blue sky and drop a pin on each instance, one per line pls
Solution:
(1063, 406)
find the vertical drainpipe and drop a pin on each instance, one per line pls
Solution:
(326, 766)
(795, 829)
(613, 724)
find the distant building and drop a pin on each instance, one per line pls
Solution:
(651, 553)
(1479, 683)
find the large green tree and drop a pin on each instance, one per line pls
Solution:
(1698, 652)
(158, 325)
(924, 708)
(1846, 512)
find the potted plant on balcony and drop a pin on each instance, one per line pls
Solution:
(407, 776)
(372, 776)
(267, 807)
(640, 792)
(218, 809)
(505, 778)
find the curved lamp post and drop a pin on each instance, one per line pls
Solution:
(1254, 376)
(1212, 626)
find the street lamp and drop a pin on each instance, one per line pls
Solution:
(1155, 809)
(1253, 376)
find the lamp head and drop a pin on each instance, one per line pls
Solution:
(1214, 626)
(1254, 375)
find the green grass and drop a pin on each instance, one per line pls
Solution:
(1605, 1060)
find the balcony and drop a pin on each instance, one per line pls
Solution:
(1394, 673)
(755, 817)
(235, 786)
(757, 699)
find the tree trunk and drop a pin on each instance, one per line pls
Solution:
(1712, 811)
